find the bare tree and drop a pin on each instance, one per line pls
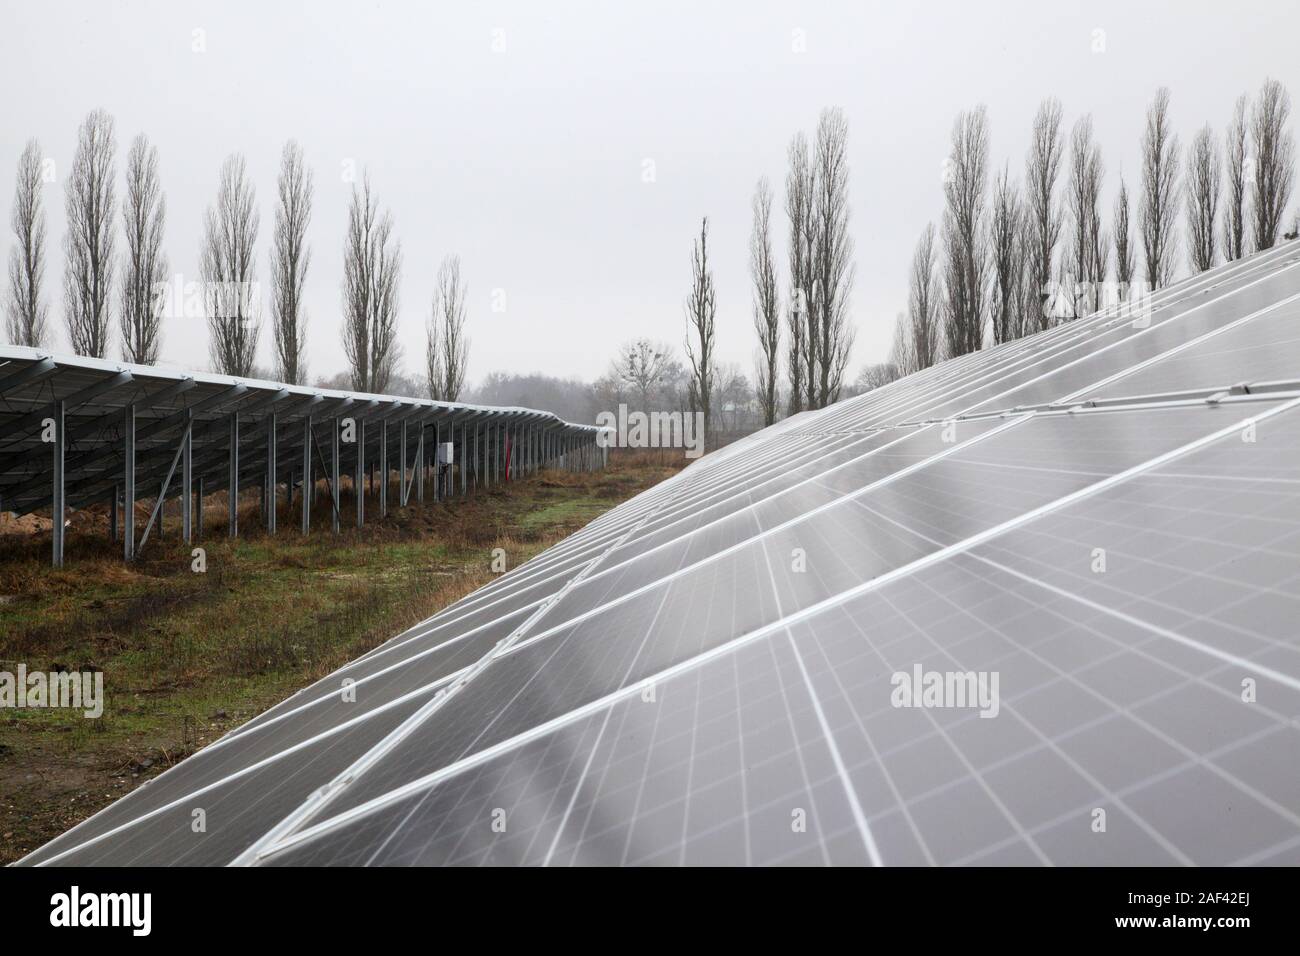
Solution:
(228, 269)
(1041, 211)
(144, 213)
(643, 365)
(1031, 300)
(26, 314)
(767, 305)
(372, 266)
(922, 339)
(799, 208)
(1159, 202)
(1098, 248)
(1124, 258)
(964, 237)
(1083, 196)
(1274, 153)
(902, 353)
(701, 310)
(833, 267)
(733, 396)
(795, 353)
(433, 374)
(876, 376)
(1202, 199)
(290, 258)
(88, 244)
(1234, 215)
(1005, 250)
(446, 343)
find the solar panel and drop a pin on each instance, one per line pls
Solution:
(76, 431)
(1097, 525)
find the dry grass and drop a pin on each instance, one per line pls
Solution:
(674, 458)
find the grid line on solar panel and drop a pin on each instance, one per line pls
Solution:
(1225, 692)
(1112, 441)
(1083, 329)
(1043, 388)
(1265, 351)
(351, 669)
(323, 797)
(811, 456)
(1072, 335)
(780, 486)
(948, 378)
(1131, 708)
(712, 556)
(1064, 418)
(1129, 351)
(707, 721)
(965, 607)
(773, 464)
(770, 628)
(498, 803)
(946, 374)
(943, 735)
(118, 818)
(1187, 345)
(939, 595)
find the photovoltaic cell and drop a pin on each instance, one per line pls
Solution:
(235, 808)
(1263, 349)
(725, 764)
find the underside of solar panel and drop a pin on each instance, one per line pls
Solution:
(1034, 605)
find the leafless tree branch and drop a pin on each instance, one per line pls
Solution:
(1159, 201)
(921, 348)
(290, 259)
(965, 254)
(1234, 216)
(88, 245)
(1203, 179)
(802, 353)
(767, 304)
(229, 272)
(26, 314)
(1083, 195)
(1006, 228)
(447, 346)
(701, 310)
(833, 266)
(372, 266)
(643, 366)
(1043, 227)
(1274, 153)
(144, 214)
(1124, 257)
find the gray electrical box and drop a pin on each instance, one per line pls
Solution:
(446, 453)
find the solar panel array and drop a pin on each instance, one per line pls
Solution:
(76, 431)
(1103, 516)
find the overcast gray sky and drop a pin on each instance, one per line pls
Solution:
(528, 161)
